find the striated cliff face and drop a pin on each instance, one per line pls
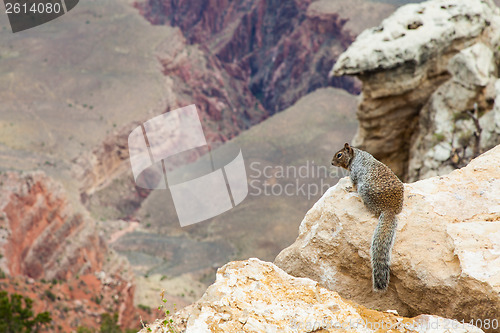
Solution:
(278, 50)
(42, 239)
(445, 257)
(195, 75)
(429, 75)
(35, 218)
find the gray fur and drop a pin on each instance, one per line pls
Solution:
(382, 193)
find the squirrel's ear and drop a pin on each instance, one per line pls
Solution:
(346, 146)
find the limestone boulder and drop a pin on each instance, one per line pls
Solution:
(446, 256)
(257, 296)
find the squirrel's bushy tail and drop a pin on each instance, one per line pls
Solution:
(382, 241)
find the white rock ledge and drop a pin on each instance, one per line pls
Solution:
(414, 33)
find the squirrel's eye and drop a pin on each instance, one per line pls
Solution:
(339, 155)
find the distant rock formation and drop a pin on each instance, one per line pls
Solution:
(267, 52)
(430, 86)
(43, 239)
(36, 222)
(257, 296)
(445, 259)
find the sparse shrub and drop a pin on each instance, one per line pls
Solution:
(97, 299)
(109, 323)
(50, 295)
(82, 329)
(168, 322)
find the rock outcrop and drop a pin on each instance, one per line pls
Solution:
(430, 82)
(95, 169)
(257, 296)
(446, 254)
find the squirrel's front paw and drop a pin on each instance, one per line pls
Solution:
(350, 189)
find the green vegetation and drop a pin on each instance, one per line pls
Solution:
(97, 299)
(144, 308)
(50, 295)
(168, 321)
(16, 314)
(109, 324)
(82, 329)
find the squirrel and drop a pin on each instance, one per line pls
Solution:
(382, 193)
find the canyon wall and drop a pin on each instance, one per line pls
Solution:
(43, 239)
(239, 62)
(279, 51)
(429, 76)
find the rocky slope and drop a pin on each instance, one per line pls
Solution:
(430, 78)
(445, 263)
(35, 218)
(209, 60)
(122, 72)
(67, 109)
(42, 239)
(445, 258)
(257, 296)
(446, 254)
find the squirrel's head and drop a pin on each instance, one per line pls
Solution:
(343, 157)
